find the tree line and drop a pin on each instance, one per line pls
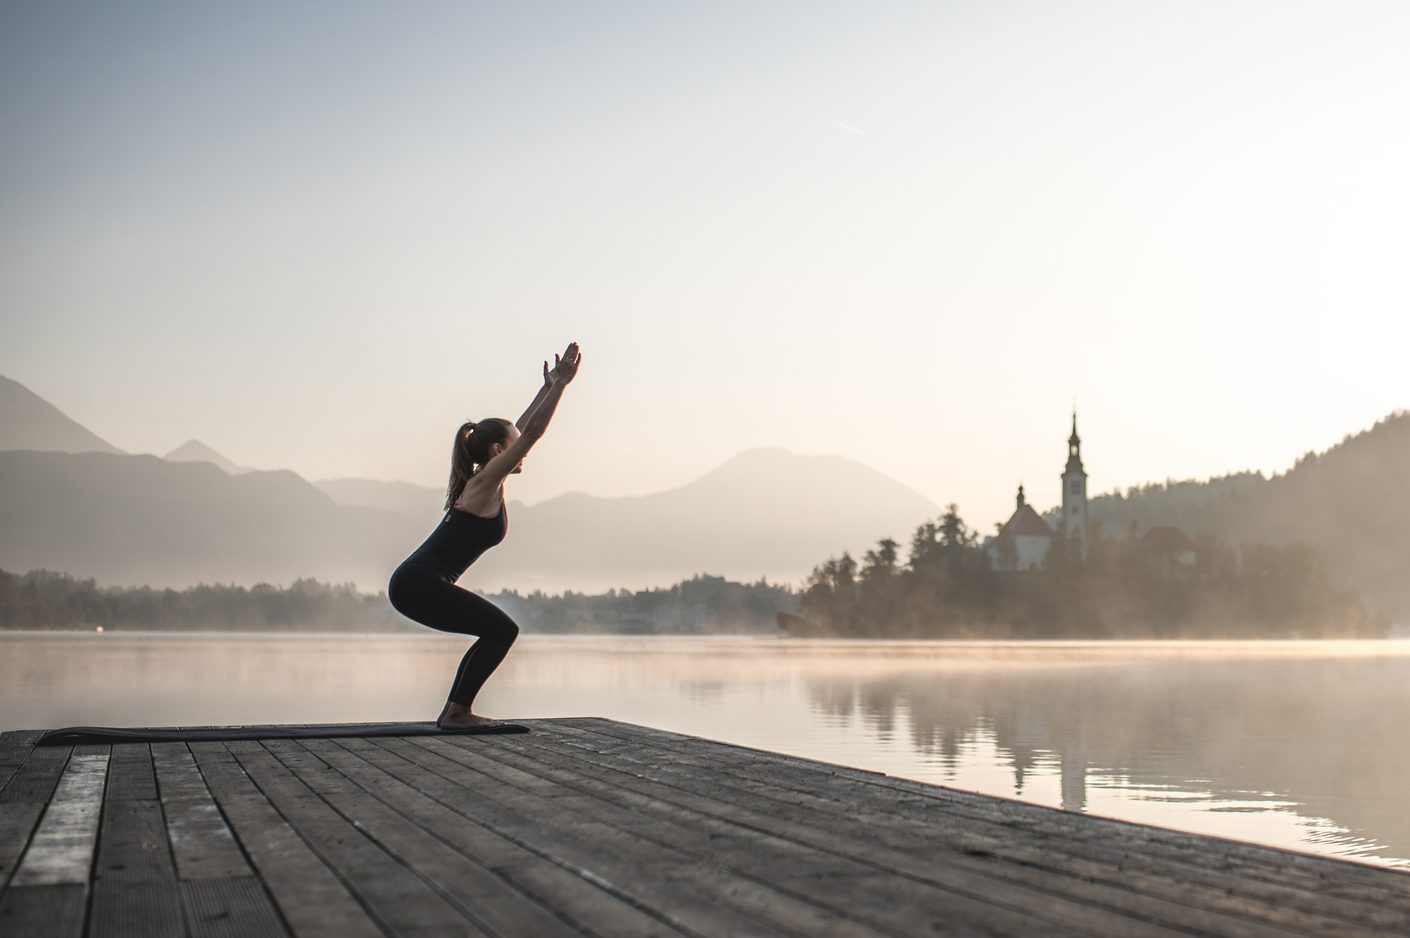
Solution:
(943, 588)
(702, 604)
(1346, 503)
(44, 599)
(1124, 588)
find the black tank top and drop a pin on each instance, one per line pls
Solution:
(459, 540)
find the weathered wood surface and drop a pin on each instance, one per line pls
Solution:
(590, 827)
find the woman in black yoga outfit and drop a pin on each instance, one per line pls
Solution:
(423, 586)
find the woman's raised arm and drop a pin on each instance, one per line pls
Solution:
(565, 369)
(538, 398)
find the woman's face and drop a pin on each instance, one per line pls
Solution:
(508, 442)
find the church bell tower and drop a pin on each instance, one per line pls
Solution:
(1074, 494)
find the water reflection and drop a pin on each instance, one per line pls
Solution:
(1309, 750)
(1294, 744)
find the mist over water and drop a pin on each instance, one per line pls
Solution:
(1295, 744)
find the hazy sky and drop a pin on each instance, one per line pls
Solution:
(319, 235)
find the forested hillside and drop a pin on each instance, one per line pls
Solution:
(1351, 504)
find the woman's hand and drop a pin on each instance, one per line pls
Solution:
(544, 389)
(565, 368)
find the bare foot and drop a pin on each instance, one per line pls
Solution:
(458, 717)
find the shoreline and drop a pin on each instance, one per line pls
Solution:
(1155, 648)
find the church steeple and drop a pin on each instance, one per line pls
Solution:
(1074, 493)
(1021, 500)
(1074, 448)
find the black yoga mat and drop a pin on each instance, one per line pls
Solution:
(72, 735)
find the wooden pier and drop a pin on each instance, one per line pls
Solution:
(592, 827)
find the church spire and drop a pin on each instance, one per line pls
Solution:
(1021, 500)
(1074, 449)
(1074, 492)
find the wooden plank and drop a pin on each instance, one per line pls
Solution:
(306, 891)
(135, 890)
(48, 827)
(1272, 902)
(1324, 876)
(707, 911)
(17, 822)
(482, 895)
(791, 866)
(595, 827)
(687, 872)
(23, 801)
(1313, 871)
(849, 831)
(585, 902)
(751, 854)
(128, 909)
(54, 911)
(399, 900)
(36, 776)
(216, 884)
(1016, 852)
(61, 850)
(201, 841)
(229, 908)
(132, 776)
(14, 750)
(691, 873)
(347, 764)
(133, 845)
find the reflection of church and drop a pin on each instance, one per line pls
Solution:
(1024, 541)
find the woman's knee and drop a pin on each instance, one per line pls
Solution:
(507, 630)
(494, 621)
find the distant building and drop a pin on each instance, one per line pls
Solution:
(1074, 494)
(1023, 542)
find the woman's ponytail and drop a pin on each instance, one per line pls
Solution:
(462, 465)
(470, 449)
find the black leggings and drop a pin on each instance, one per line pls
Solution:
(419, 593)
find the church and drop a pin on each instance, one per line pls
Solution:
(1024, 541)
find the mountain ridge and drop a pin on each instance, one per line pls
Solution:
(196, 451)
(763, 512)
(1346, 502)
(129, 519)
(28, 421)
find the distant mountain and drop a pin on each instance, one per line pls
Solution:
(196, 451)
(27, 421)
(134, 520)
(418, 501)
(1351, 504)
(141, 520)
(766, 512)
(71, 502)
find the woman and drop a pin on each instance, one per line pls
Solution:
(423, 587)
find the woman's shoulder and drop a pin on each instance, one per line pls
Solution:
(476, 506)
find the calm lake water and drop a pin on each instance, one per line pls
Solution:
(1296, 744)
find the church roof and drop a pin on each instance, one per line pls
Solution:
(1026, 523)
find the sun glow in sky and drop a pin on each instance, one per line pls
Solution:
(318, 235)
